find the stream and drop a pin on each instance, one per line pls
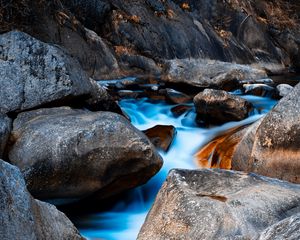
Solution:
(124, 218)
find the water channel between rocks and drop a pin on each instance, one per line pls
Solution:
(124, 219)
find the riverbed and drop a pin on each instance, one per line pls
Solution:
(124, 217)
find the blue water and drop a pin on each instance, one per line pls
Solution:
(125, 218)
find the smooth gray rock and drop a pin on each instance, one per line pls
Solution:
(284, 89)
(5, 128)
(205, 73)
(218, 204)
(217, 106)
(258, 89)
(272, 148)
(33, 73)
(23, 217)
(68, 153)
(288, 229)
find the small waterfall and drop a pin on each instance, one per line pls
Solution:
(125, 218)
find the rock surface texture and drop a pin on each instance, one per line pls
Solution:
(204, 73)
(161, 136)
(219, 204)
(23, 217)
(5, 128)
(288, 228)
(34, 73)
(112, 38)
(66, 153)
(217, 106)
(271, 148)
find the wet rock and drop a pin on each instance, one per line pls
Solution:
(288, 228)
(180, 109)
(68, 153)
(130, 94)
(5, 128)
(161, 136)
(219, 151)
(23, 217)
(217, 106)
(34, 73)
(283, 90)
(205, 73)
(258, 89)
(177, 97)
(218, 204)
(271, 148)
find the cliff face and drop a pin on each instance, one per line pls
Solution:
(138, 35)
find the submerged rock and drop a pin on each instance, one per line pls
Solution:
(68, 153)
(271, 147)
(204, 73)
(33, 73)
(161, 136)
(218, 204)
(23, 217)
(5, 128)
(217, 106)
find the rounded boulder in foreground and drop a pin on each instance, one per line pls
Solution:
(67, 153)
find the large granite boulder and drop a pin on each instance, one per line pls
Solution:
(288, 228)
(68, 153)
(5, 128)
(217, 106)
(204, 73)
(33, 73)
(23, 217)
(218, 204)
(271, 148)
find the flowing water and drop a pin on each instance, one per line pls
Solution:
(125, 218)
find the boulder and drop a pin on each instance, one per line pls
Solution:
(178, 110)
(283, 90)
(100, 100)
(258, 89)
(23, 217)
(271, 148)
(5, 128)
(68, 153)
(204, 73)
(34, 73)
(217, 106)
(288, 228)
(177, 97)
(161, 136)
(218, 204)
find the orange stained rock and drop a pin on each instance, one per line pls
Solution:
(185, 6)
(218, 152)
(134, 19)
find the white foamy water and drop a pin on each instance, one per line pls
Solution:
(125, 219)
